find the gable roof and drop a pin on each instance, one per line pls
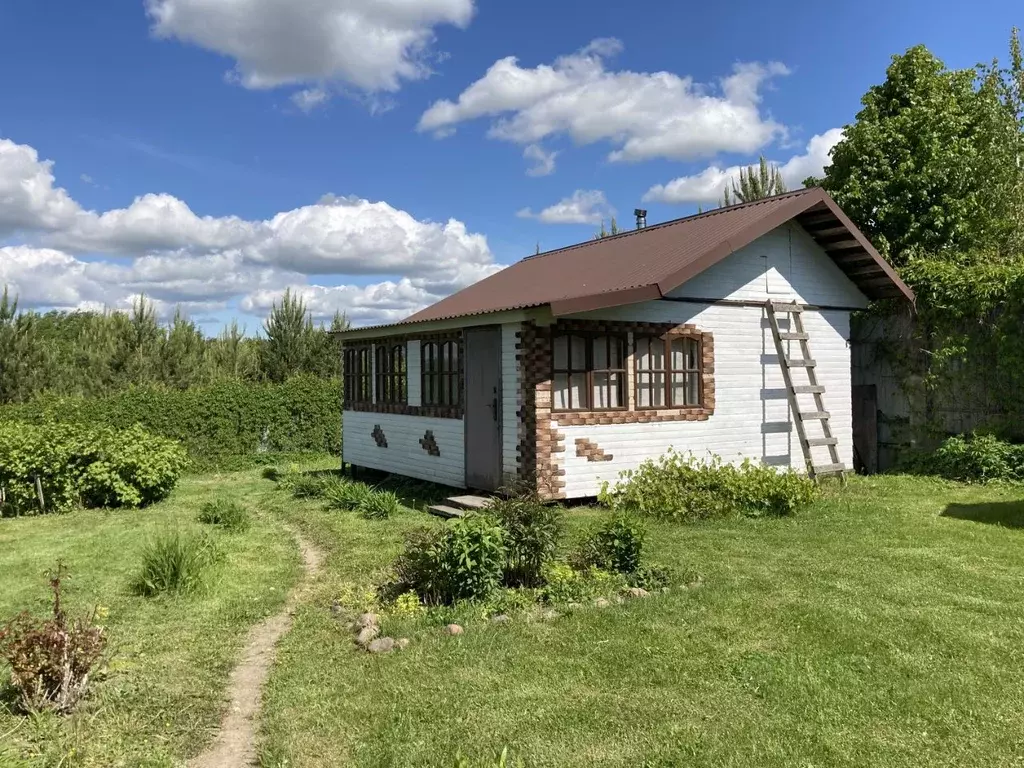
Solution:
(647, 263)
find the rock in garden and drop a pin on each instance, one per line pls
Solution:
(382, 645)
(367, 620)
(454, 629)
(601, 602)
(638, 592)
(501, 618)
(336, 609)
(402, 643)
(366, 634)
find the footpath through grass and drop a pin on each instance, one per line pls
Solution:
(882, 627)
(171, 656)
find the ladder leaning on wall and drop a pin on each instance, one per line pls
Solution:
(807, 363)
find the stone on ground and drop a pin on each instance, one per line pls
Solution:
(638, 592)
(454, 629)
(366, 634)
(382, 645)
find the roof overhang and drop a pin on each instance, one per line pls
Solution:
(537, 314)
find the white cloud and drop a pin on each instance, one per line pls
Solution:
(642, 114)
(543, 161)
(309, 99)
(584, 206)
(372, 45)
(174, 255)
(709, 185)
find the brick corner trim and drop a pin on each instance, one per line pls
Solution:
(378, 436)
(591, 450)
(429, 444)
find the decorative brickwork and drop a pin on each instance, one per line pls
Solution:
(591, 450)
(429, 444)
(378, 436)
(540, 441)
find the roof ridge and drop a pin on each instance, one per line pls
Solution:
(670, 223)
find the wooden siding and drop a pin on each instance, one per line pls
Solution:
(784, 264)
(751, 418)
(404, 454)
(510, 377)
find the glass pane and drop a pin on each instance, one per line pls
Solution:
(617, 353)
(657, 355)
(560, 394)
(456, 389)
(643, 354)
(446, 390)
(643, 390)
(600, 353)
(678, 354)
(561, 353)
(453, 356)
(679, 389)
(578, 390)
(600, 399)
(617, 393)
(578, 352)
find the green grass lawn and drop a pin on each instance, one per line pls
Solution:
(881, 627)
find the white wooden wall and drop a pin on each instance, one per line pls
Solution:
(404, 454)
(510, 378)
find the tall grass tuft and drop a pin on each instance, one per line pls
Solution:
(226, 515)
(380, 505)
(344, 495)
(174, 563)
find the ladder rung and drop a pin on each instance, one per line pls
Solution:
(809, 389)
(786, 306)
(789, 336)
(812, 415)
(828, 469)
(813, 441)
(800, 363)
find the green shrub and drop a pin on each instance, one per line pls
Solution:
(651, 577)
(679, 487)
(462, 561)
(307, 487)
(271, 473)
(616, 545)
(52, 659)
(565, 584)
(380, 505)
(346, 495)
(97, 466)
(532, 532)
(229, 515)
(973, 458)
(174, 563)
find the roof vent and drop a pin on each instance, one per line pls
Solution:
(641, 217)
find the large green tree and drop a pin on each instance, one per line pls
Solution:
(932, 163)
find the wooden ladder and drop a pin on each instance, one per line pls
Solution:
(805, 361)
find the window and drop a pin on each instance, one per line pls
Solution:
(391, 379)
(668, 372)
(442, 372)
(589, 372)
(357, 375)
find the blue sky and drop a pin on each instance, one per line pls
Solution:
(379, 155)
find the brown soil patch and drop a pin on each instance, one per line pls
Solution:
(235, 744)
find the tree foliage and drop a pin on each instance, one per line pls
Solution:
(755, 183)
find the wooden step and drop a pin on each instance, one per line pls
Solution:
(815, 441)
(793, 336)
(809, 389)
(468, 501)
(829, 469)
(812, 415)
(786, 306)
(800, 363)
(443, 510)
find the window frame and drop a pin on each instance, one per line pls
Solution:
(357, 374)
(588, 370)
(668, 371)
(391, 371)
(443, 377)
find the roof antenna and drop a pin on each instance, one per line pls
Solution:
(641, 217)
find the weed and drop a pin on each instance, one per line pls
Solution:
(174, 563)
(227, 515)
(379, 505)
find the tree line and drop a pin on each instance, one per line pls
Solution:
(92, 354)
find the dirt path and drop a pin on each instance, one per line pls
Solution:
(235, 745)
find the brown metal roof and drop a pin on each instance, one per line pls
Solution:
(647, 263)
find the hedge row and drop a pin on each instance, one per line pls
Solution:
(214, 423)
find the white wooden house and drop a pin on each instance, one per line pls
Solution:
(570, 366)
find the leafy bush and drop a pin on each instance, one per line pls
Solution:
(51, 660)
(462, 561)
(98, 466)
(380, 505)
(679, 487)
(616, 545)
(271, 473)
(214, 423)
(532, 532)
(651, 577)
(565, 584)
(174, 563)
(974, 458)
(346, 495)
(229, 515)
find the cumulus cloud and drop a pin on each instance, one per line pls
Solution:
(584, 206)
(642, 114)
(367, 44)
(309, 99)
(543, 161)
(172, 254)
(709, 185)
